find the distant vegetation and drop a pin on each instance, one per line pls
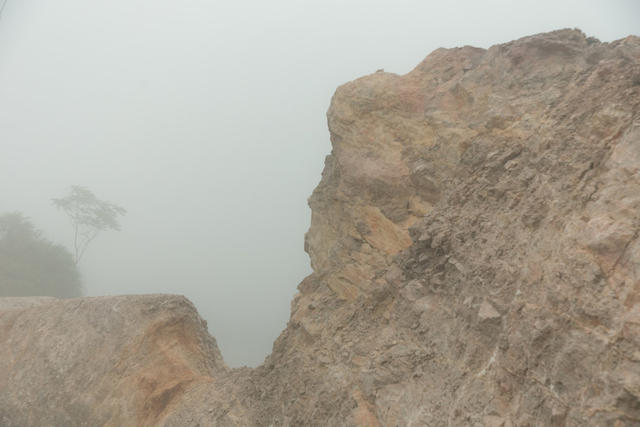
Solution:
(31, 265)
(89, 216)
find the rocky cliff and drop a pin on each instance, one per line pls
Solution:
(476, 255)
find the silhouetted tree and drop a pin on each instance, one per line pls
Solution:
(31, 265)
(89, 216)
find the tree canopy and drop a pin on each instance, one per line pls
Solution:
(31, 265)
(89, 216)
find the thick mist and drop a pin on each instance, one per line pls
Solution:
(206, 121)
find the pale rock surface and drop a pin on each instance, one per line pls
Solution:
(476, 255)
(115, 361)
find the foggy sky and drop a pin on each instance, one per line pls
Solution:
(206, 121)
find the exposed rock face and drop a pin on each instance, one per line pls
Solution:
(116, 361)
(475, 244)
(476, 253)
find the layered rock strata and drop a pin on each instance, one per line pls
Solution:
(476, 255)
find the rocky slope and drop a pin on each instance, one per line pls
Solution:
(476, 255)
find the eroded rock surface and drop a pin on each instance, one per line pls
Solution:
(476, 254)
(115, 361)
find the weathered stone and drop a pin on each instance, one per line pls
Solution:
(101, 361)
(487, 311)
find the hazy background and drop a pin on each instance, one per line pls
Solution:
(206, 121)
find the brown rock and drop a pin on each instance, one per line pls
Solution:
(101, 361)
(487, 311)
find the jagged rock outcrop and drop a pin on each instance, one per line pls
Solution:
(476, 254)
